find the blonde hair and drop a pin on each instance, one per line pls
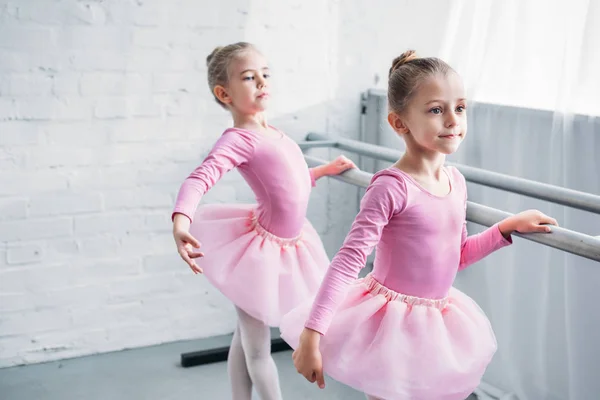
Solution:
(406, 73)
(218, 63)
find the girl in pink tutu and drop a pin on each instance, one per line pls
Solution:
(403, 332)
(265, 258)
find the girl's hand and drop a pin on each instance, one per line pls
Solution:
(339, 165)
(527, 222)
(307, 357)
(186, 242)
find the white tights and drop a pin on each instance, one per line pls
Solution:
(249, 362)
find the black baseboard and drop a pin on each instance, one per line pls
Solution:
(219, 354)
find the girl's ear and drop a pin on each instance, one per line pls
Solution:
(221, 94)
(397, 123)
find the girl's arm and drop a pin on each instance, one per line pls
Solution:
(378, 205)
(231, 150)
(335, 167)
(476, 247)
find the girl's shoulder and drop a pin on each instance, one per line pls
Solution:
(240, 137)
(389, 185)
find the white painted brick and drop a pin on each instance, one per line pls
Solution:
(164, 263)
(206, 17)
(137, 198)
(17, 60)
(12, 208)
(155, 129)
(24, 253)
(35, 279)
(60, 157)
(106, 316)
(68, 134)
(62, 13)
(32, 229)
(107, 178)
(77, 296)
(45, 108)
(148, 129)
(61, 249)
(100, 60)
(3, 262)
(8, 12)
(27, 38)
(65, 204)
(53, 346)
(20, 183)
(159, 222)
(138, 14)
(172, 174)
(65, 83)
(145, 107)
(16, 302)
(153, 38)
(40, 321)
(123, 107)
(143, 287)
(13, 159)
(99, 246)
(19, 133)
(11, 345)
(108, 270)
(41, 279)
(53, 251)
(115, 84)
(153, 60)
(12, 281)
(62, 344)
(8, 109)
(182, 104)
(179, 82)
(94, 37)
(116, 223)
(192, 283)
(25, 85)
(136, 335)
(181, 152)
(147, 243)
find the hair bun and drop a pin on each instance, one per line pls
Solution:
(404, 58)
(211, 55)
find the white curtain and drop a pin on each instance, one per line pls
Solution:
(533, 69)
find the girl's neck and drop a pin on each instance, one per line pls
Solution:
(254, 122)
(427, 164)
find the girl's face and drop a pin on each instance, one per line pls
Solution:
(247, 91)
(435, 119)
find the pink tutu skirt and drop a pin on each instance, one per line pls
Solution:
(264, 275)
(395, 346)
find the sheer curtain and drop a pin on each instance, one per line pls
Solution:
(533, 70)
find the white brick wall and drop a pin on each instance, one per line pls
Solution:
(104, 110)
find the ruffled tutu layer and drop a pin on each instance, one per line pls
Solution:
(395, 346)
(263, 274)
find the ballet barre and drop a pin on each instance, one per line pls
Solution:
(560, 238)
(542, 191)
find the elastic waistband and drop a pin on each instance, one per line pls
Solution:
(283, 242)
(376, 288)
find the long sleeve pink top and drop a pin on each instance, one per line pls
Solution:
(274, 168)
(420, 239)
